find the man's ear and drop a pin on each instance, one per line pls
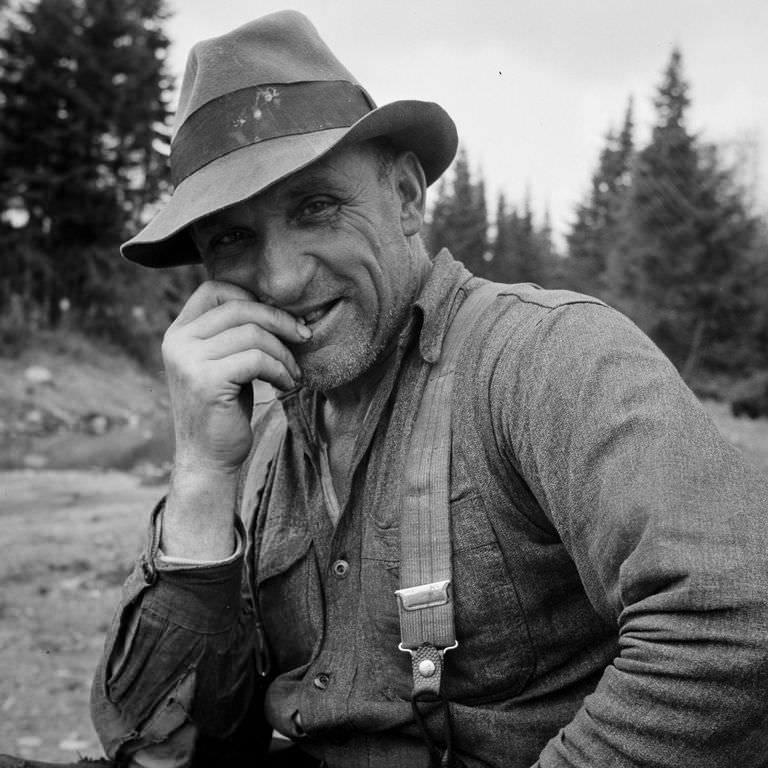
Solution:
(412, 189)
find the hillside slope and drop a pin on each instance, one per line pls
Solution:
(68, 402)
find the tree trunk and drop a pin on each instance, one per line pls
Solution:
(692, 360)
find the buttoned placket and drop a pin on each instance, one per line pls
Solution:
(330, 677)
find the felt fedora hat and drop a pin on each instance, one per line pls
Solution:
(257, 105)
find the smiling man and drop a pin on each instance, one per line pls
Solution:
(330, 246)
(511, 485)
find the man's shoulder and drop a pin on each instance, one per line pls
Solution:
(536, 296)
(523, 319)
(518, 308)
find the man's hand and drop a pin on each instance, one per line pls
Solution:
(222, 340)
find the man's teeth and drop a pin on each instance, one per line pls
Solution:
(314, 315)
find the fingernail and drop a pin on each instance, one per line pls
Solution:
(304, 332)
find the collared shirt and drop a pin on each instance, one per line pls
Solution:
(609, 565)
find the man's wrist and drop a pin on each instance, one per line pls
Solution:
(198, 520)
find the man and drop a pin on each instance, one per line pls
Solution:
(608, 549)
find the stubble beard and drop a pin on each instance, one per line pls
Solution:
(326, 369)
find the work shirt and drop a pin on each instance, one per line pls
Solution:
(610, 568)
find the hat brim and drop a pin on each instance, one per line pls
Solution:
(424, 127)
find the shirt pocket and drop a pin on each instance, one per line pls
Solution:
(288, 595)
(495, 657)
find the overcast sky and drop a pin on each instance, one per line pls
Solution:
(534, 85)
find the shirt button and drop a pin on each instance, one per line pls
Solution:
(321, 681)
(148, 571)
(340, 569)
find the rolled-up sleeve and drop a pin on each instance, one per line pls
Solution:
(668, 527)
(178, 661)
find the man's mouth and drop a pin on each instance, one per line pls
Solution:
(314, 316)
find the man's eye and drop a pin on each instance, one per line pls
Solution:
(231, 237)
(317, 207)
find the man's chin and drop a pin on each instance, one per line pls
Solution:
(327, 378)
(324, 371)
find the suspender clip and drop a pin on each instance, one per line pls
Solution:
(423, 596)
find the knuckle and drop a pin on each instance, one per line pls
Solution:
(203, 296)
(168, 337)
(267, 366)
(209, 288)
(167, 348)
(275, 315)
(172, 346)
(254, 333)
(259, 357)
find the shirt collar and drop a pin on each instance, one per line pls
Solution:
(436, 302)
(433, 311)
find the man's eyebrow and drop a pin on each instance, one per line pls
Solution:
(219, 218)
(311, 183)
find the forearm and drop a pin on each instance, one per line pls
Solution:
(688, 689)
(179, 653)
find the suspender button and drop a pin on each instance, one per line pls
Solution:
(427, 668)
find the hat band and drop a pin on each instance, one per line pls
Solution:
(258, 113)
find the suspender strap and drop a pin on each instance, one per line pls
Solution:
(425, 597)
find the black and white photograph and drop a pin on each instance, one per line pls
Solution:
(383, 385)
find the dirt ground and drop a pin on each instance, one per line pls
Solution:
(69, 538)
(68, 541)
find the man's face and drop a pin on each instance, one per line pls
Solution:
(328, 244)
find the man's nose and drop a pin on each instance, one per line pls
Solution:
(284, 268)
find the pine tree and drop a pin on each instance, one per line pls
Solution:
(522, 251)
(523, 246)
(459, 218)
(437, 234)
(500, 266)
(592, 237)
(684, 242)
(757, 328)
(83, 115)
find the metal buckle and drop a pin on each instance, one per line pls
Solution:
(423, 596)
(441, 651)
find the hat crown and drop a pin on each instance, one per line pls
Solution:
(282, 47)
